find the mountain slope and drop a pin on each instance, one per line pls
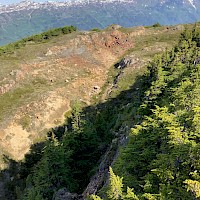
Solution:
(115, 96)
(39, 81)
(147, 129)
(21, 20)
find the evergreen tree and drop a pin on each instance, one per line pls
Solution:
(115, 186)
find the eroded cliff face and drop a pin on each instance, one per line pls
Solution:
(40, 81)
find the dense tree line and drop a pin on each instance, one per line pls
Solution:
(162, 158)
(39, 38)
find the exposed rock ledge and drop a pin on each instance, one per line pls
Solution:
(101, 177)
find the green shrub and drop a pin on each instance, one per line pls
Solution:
(39, 38)
(96, 29)
(156, 25)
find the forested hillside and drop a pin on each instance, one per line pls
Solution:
(158, 159)
(162, 158)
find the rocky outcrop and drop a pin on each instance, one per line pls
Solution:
(117, 38)
(123, 63)
(101, 177)
(64, 194)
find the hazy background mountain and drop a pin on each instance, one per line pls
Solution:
(6, 2)
(24, 19)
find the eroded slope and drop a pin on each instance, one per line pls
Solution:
(40, 81)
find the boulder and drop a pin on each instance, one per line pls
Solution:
(123, 63)
(64, 194)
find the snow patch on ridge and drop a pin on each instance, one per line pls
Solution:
(192, 3)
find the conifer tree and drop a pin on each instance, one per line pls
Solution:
(194, 187)
(115, 186)
(130, 195)
(115, 189)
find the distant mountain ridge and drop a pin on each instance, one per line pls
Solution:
(27, 18)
